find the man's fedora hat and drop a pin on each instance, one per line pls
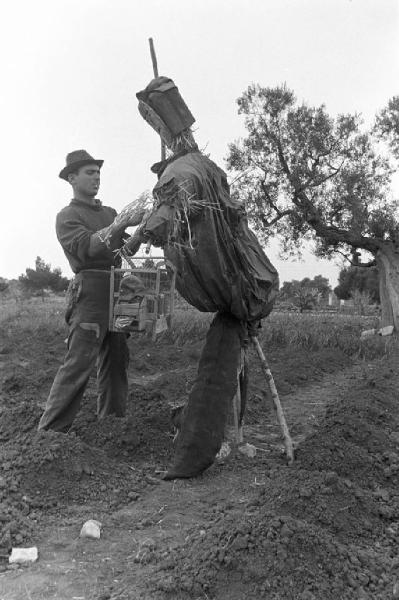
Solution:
(77, 159)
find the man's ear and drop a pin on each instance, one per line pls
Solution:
(71, 178)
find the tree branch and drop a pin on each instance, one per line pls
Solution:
(331, 234)
(280, 214)
(355, 262)
(316, 183)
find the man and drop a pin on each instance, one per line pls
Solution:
(89, 233)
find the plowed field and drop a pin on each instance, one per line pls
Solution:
(326, 527)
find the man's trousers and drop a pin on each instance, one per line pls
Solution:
(90, 345)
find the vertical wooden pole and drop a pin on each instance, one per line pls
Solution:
(111, 299)
(237, 406)
(236, 413)
(155, 70)
(172, 297)
(276, 401)
(156, 304)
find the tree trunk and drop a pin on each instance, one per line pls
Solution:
(387, 259)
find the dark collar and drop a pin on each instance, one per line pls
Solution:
(159, 167)
(96, 206)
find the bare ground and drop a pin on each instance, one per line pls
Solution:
(326, 527)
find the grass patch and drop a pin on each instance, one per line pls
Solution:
(32, 317)
(280, 330)
(313, 332)
(189, 325)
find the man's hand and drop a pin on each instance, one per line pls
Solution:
(128, 217)
(131, 216)
(134, 242)
(136, 218)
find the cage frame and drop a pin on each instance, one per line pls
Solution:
(114, 294)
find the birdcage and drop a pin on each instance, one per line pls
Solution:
(142, 297)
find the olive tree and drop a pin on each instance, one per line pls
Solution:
(305, 175)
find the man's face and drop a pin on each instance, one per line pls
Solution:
(86, 181)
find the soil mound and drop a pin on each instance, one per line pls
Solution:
(104, 463)
(144, 434)
(49, 470)
(325, 528)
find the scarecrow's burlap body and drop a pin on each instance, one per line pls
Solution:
(220, 267)
(220, 264)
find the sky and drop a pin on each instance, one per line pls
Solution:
(71, 68)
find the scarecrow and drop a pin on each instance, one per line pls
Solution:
(220, 268)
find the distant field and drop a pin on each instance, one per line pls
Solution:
(311, 331)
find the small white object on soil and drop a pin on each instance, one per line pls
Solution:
(23, 555)
(91, 529)
(388, 330)
(248, 450)
(224, 451)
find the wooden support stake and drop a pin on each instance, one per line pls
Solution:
(237, 405)
(276, 401)
(153, 58)
(236, 414)
(155, 71)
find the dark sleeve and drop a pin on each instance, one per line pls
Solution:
(159, 225)
(179, 201)
(73, 235)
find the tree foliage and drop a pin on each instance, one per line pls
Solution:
(41, 278)
(318, 283)
(305, 175)
(363, 280)
(4, 285)
(307, 293)
(387, 125)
